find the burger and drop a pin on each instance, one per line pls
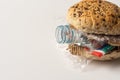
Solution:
(99, 20)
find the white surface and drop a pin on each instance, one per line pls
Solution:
(28, 48)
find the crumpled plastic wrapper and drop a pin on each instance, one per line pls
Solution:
(75, 62)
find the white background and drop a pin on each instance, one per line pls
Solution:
(28, 47)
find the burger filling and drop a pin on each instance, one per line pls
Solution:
(103, 45)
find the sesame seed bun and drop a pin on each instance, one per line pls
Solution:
(95, 16)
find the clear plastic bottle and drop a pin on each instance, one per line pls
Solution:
(66, 34)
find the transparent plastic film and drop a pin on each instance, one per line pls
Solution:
(67, 38)
(81, 61)
(77, 55)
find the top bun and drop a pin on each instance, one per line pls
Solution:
(95, 16)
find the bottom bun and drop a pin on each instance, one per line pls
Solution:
(77, 50)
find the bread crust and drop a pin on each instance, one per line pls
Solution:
(95, 16)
